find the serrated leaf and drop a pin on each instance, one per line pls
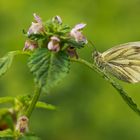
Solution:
(48, 68)
(5, 134)
(6, 61)
(125, 97)
(44, 105)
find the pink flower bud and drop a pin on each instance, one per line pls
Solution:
(76, 33)
(37, 26)
(53, 45)
(30, 45)
(22, 124)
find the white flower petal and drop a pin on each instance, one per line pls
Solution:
(54, 38)
(79, 26)
(37, 18)
(35, 28)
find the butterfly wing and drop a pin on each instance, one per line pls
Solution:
(123, 61)
(121, 51)
(126, 74)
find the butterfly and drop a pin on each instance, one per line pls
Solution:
(121, 61)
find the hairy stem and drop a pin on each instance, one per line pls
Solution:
(33, 102)
(22, 52)
(117, 86)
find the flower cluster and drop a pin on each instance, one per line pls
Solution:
(54, 36)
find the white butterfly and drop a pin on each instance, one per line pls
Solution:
(122, 61)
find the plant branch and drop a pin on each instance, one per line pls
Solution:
(17, 52)
(116, 85)
(33, 101)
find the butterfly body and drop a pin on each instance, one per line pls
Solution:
(122, 61)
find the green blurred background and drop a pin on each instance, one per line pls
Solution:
(88, 107)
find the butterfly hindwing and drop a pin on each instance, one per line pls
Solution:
(130, 74)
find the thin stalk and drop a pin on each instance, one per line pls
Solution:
(33, 101)
(116, 85)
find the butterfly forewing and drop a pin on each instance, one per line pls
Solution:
(123, 61)
(122, 51)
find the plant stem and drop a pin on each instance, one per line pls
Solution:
(117, 86)
(22, 52)
(33, 102)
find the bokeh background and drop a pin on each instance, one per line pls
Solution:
(88, 107)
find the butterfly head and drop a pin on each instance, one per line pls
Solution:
(98, 60)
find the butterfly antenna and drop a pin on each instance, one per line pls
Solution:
(94, 48)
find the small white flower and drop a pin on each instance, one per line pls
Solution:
(54, 45)
(37, 26)
(30, 45)
(76, 33)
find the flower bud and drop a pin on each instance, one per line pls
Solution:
(22, 124)
(53, 45)
(30, 45)
(37, 26)
(57, 19)
(76, 33)
(72, 52)
(37, 18)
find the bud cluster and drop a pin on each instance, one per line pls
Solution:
(54, 35)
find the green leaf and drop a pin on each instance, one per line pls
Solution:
(48, 68)
(5, 134)
(125, 97)
(44, 105)
(7, 99)
(6, 61)
(29, 137)
(4, 111)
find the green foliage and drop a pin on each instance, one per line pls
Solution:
(6, 61)
(6, 134)
(74, 44)
(125, 97)
(6, 99)
(44, 105)
(29, 138)
(4, 111)
(54, 28)
(48, 67)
